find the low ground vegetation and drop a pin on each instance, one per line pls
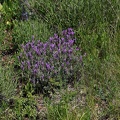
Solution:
(59, 60)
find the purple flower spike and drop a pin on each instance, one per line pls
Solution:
(35, 71)
(62, 40)
(36, 66)
(64, 50)
(71, 42)
(52, 46)
(67, 63)
(55, 55)
(27, 46)
(51, 39)
(45, 46)
(22, 67)
(64, 32)
(30, 55)
(68, 36)
(48, 66)
(70, 51)
(55, 36)
(70, 31)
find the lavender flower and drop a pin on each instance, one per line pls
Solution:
(28, 64)
(54, 58)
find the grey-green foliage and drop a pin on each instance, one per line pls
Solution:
(7, 83)
(24, 30)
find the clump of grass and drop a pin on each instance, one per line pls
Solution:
(7, 82)
(86, 14)
(23, 31)
(8, 86)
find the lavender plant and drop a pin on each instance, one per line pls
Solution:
(57, 59)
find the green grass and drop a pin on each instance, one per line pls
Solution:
(7, 82)
(8, 86)
(96, 24)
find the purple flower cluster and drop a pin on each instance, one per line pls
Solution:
(56, 58)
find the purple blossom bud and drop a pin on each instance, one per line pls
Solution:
(36, 50)
(55, 55)
(55, 36)
(42, 63)
(22, 67)
(68, 37)
(45, 46)
(64, 60)
(30, 55)
(51, 39)
(35, 71)
(23, 63)
(70, 51)
(27, 46)
(67, 63)
(59, 45)
(36, 66)
(77, 48)
(52, 46)
(70, 31)
(64, 51)
(64, 32)
(71, 42)
(59, 50)
(41, 44)
(62, 40)
(52, 67)
(48, 66)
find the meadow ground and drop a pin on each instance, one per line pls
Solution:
(91, 91)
